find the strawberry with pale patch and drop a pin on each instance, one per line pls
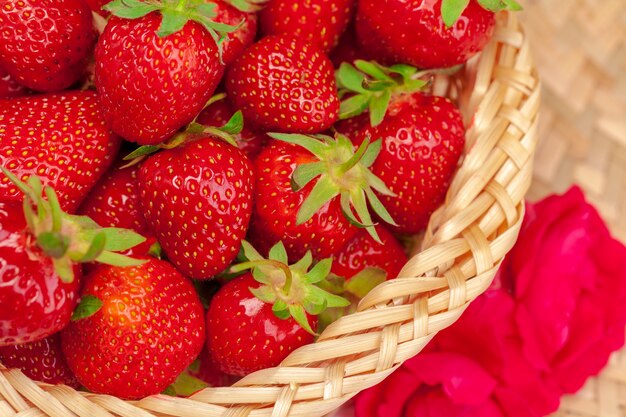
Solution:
(139, 329)
(45, 44)
(157, 67)
(430, 33)
(285, 84)
(312, 191)
(62, 138)
(41, 360)
(197, 200)
(40, 254)
(320, 22)
(257, 319)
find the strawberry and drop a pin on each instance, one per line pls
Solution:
(347, 50)
(243, 36)
(9, 87)
(148, 326)
(283, 83)
(423, 138)
(114, 202)
(219, 113)
(431, 33)
(41, 360)
(257, 319)
(40, 251)
(319, 22)
(61, 138)
(362, 251)
(314, 215)
(206, 370)
(45, 44)
(155, 72)
(197, 200)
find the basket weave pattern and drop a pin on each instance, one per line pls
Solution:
(459, 255)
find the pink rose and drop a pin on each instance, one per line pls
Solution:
(568, 278)
(556, 311)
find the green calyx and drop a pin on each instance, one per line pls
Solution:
(226, 133)
(176, 14)
(293, 290)
(247, 6)
(341, 172)
(451, 10)
(370, 86)
(69, 239)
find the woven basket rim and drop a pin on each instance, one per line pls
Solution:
(461, 250)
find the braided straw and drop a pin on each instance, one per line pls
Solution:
(460, 253)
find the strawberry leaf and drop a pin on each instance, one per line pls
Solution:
(247, 6)
(95, 248)
(88, 306)
(173, 21)
(278, 253)
(264, 293)
(117, 259)
(451, 10)
(299, 315)
(320, 271)
(378, 107)
(130, 9)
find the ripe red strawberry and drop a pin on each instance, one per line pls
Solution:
(257, 319)
(425, 36)
(283, 83)
(197, 200)
(423, 138)
(59, 137)
(155, 73)
(40, 251)
(114, 202)
(206, 370)
(313, 215)
(45, 44)
(148, 329)
(320, 22)
(347, 49)
(42, 361)
(248, 140)
(9, 87)
(241, 38)
(362, 251)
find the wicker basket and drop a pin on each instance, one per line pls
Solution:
(460, 253)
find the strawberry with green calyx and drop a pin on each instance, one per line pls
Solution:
(42, 250)
(257, 319)
(197, 200)
(341, 173)
(371, 86)
(423, 139)
(157, 64)
(421, 37)
(146, 327)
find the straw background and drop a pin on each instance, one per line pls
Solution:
(580, 51)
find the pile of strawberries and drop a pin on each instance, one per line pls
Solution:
(150, 242)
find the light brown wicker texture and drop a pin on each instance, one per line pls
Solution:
(462, 249)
